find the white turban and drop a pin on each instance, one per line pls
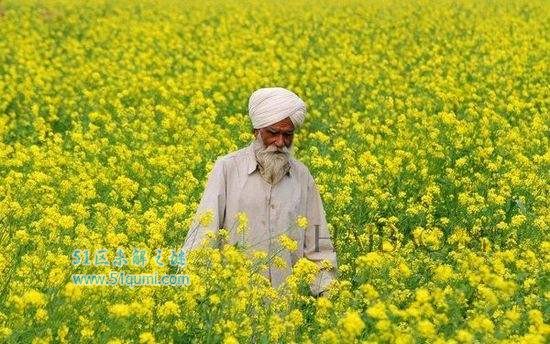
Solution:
(267, 106)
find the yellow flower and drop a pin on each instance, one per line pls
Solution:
(423, 295)
(518, 220)
(368, 291)
(276, 326)
(305, 269)
(242, 222)
(401, 270)
(383, 325)
(5, 332)
(302, 222)
(482, 324)
(279, 262)
(147, 338)
(329, 337)
(22, 236)
(86, 332)
(169, 308)
(426, 329)
(513, 315)
(72, 291)
(214, 299)
(352, 323)
(34, 298)
(41, 315)
(288, 243)
(206, 218)
(120, 310)
(223, 233)
(464, 336)
(114, 341)
(56, 276)
(66, 221)
(443, 272)
(323, 303)
(259, 255)
(296, 317)
(371, 259)
(178, 208)
(62, 333)
(230, 340)
(536, 318)
(387, 246)
(377, 311)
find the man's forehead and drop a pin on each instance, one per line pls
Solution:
(284, 124)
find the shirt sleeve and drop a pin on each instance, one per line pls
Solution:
(318, 250)
(213, 201)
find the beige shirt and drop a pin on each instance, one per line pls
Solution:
(235, 185)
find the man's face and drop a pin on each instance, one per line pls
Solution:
(279, 134)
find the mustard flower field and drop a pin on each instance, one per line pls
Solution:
(427, 134)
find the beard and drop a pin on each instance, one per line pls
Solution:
(273, 162)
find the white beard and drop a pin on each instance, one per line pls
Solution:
(273, 162)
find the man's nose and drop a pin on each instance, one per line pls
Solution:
(279, 141)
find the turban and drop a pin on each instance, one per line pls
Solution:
(267, 106)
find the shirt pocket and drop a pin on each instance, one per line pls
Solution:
(293, 208)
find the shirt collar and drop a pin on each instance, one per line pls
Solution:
(252, 163)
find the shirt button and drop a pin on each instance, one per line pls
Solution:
(272, 206)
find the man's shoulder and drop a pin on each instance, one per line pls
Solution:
(234, 155)
(300, 168)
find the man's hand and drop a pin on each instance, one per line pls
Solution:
(321, 294)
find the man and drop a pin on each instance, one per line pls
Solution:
(273, 189)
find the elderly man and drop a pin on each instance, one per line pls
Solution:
(275, 191)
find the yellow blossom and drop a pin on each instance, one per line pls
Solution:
(352, 324)
(288, 243)
(302, 222)
(147, 338)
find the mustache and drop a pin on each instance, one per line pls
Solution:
(272, 149)
(275, 149)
